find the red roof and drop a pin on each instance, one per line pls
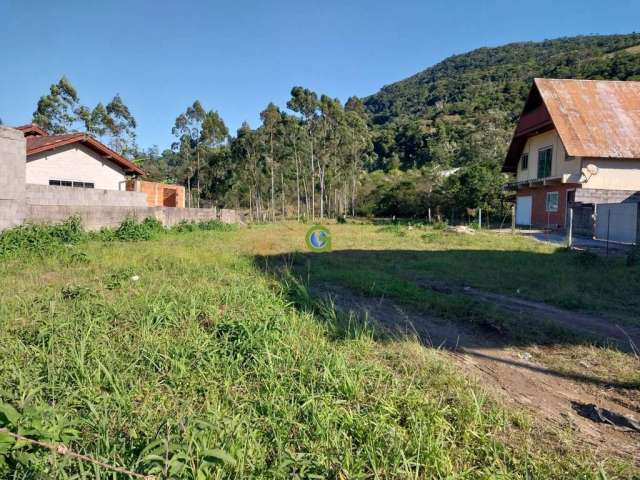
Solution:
(594, 118)
(39, 144)
(31, 129)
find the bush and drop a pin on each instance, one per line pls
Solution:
(41, 239)
(131, 231)
(439, 225)
(208, 225)
(342, 219)
(216, 225)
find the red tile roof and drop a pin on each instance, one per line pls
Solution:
(37, 144)
(594, 118)
(32, 129)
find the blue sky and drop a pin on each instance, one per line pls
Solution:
(236, 56)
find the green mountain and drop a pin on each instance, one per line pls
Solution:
(464, 108)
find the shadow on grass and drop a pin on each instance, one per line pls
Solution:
(411, 293)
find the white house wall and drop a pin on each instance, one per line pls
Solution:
(74, 163)
(560, 164)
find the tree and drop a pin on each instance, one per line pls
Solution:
(197, 132)
(305, 102)
(56, 111)
(271, 118)
(60, 111)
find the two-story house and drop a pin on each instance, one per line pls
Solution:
(577, 142)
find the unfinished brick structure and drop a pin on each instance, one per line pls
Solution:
(159, 194)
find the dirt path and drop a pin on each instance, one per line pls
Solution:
(625, 337)
(546, 394)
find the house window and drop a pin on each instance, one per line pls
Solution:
(552, 201)
(70, 183)
(544, 162)
(524, 161)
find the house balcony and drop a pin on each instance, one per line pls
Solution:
(539, 182)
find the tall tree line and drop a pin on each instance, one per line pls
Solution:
(305, 163)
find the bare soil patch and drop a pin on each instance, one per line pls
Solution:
(623, 336)
(548, 395)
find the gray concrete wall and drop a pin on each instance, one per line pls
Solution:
(95, 217)
(13, 153)
(593, 195)
(70, 196)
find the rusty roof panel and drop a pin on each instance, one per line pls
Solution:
(594, 118)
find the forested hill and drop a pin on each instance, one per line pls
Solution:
(465, 107)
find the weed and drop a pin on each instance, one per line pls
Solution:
(209, 369)
(440, 225)
(633, 257)
(587, 258)
(131, 230)
(40, 239)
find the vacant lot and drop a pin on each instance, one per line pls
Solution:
(238, 354)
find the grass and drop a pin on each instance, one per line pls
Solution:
(178, 356)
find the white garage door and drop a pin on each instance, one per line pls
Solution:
(523, 210)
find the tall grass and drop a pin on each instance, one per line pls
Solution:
(49, 239)
(187, 362)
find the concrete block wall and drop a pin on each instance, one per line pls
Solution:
(31, 203)
(70, 196)
(13, 152)
(95, 217)
(597, 195)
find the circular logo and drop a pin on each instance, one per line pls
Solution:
(318, 239)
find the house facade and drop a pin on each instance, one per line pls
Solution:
(577, 143)
(74, 160)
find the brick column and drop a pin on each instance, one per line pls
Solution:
(13, 166)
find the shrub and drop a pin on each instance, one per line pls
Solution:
(216, 225)
(41, 239)
(342, 219)
(131, 231)
(439, 225)
(184, 226)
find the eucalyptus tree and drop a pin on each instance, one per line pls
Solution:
(60, 111)
(305, 102)
(246, 152)
(197, 131)
(55, 111)
(271, 118)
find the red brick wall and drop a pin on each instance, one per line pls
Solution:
(154, 191)
(539, 216)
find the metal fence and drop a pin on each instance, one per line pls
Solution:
(616, 222)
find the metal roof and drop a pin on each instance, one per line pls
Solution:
(594, 118)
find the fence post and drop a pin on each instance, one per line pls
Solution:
(479, 219)
(570, 229)
(513, 219)
(608, 227)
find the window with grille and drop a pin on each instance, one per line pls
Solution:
(71, 183)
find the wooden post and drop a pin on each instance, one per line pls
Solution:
(513, 219)
(570, 228)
